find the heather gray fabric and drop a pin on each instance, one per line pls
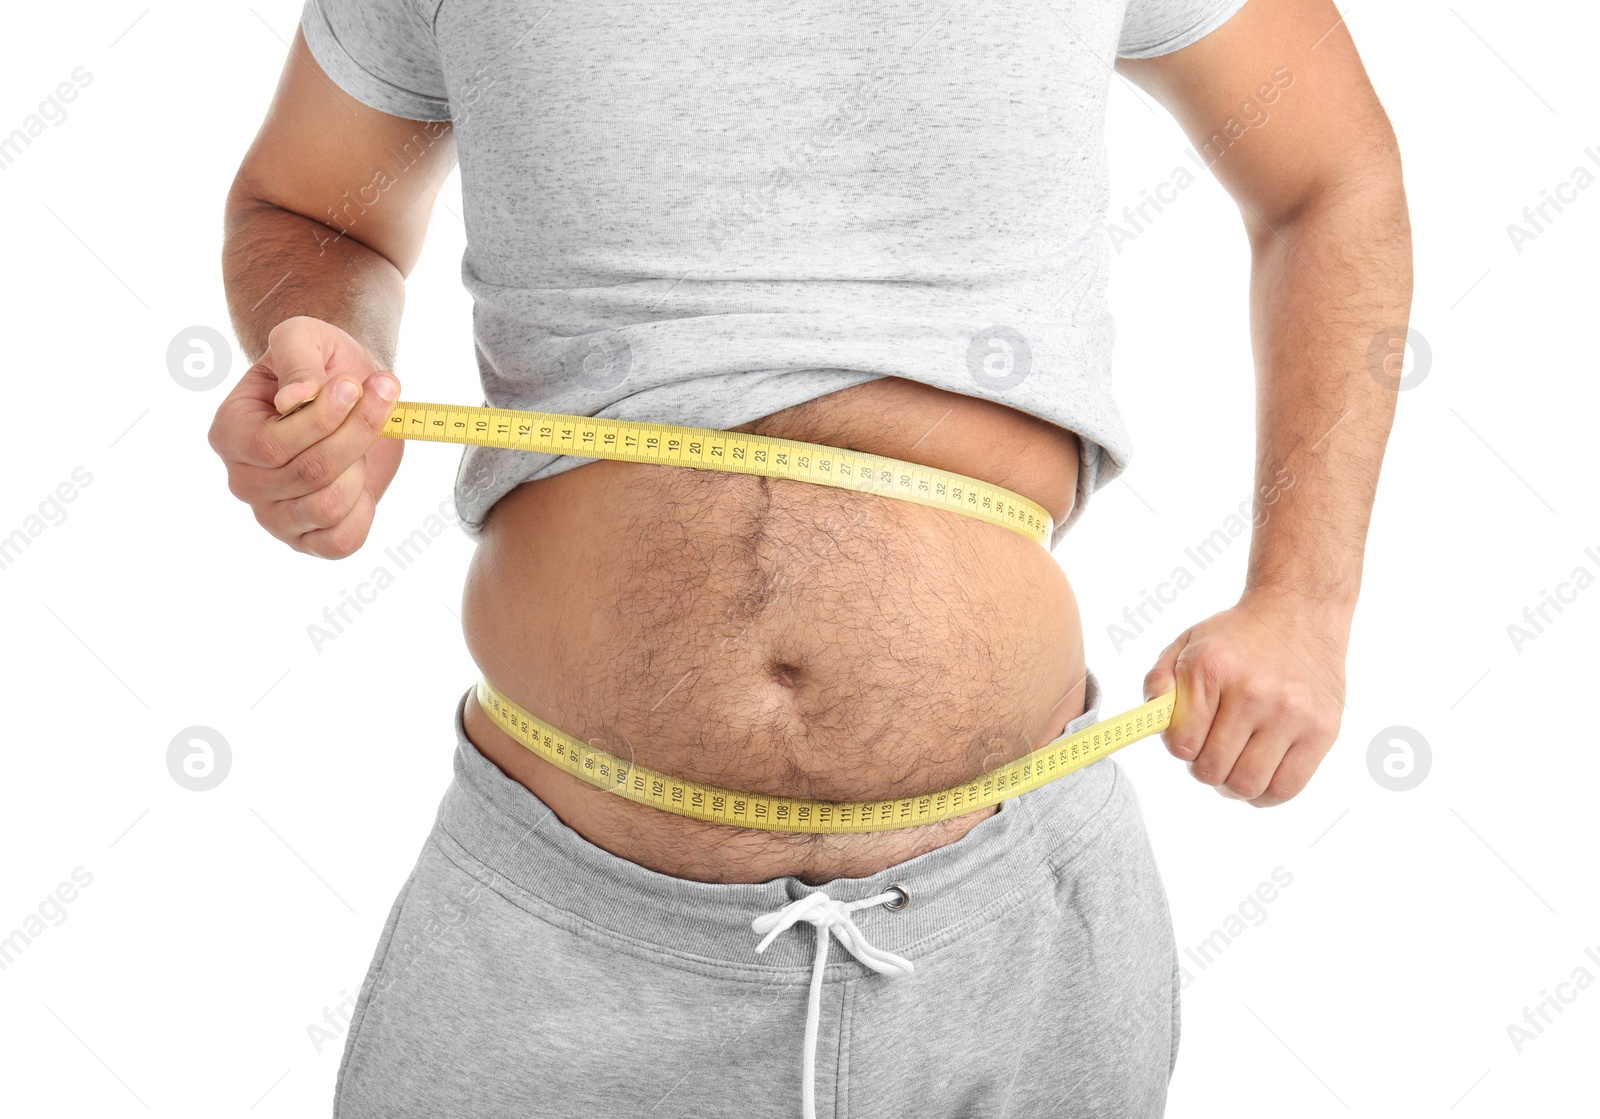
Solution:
(701, 212)
(525, 972)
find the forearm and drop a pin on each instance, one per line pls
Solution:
(277, 264)
(1324, 286)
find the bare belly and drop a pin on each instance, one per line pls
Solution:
(779, 637)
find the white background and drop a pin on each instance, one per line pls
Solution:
(219, 925)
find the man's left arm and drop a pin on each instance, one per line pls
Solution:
(1279, 102)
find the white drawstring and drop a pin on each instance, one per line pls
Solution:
(828, 916)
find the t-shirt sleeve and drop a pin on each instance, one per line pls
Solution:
(1154, 27)
(381, 52)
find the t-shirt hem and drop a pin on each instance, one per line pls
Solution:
(355, 79)
(1188, 36)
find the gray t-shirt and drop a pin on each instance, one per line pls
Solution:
(700, 213)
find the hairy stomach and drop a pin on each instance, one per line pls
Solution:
(782, 638)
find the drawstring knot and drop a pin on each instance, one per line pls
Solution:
(831, 918)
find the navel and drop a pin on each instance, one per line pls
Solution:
(786, 674)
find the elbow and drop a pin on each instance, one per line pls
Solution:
(1360, 189)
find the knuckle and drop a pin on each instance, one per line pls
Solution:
(375, 413)
(267, 448)
(1293, 704)
(1326, 729)
(1258, 692)
(1303, 710)
(1183, 744)
(1281, 788)
(312, 470)
(1205, 773)
(319, 543)
(332, 505)
(305, 513)
(1212, 665)
(347, 536)
(1246, 786)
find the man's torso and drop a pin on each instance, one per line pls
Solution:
(780, 637)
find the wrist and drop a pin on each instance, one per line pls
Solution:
(1327, 606)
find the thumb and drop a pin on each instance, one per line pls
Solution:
(297, 357)
(298, 382)
(1163, 677)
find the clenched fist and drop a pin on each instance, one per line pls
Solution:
(1260, 695)
(314, 477)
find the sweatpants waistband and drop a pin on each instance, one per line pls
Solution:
(952, 889)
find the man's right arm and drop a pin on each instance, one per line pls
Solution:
(315, 280)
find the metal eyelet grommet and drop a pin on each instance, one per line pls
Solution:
(905, 898)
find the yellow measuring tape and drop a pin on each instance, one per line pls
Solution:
(709, 449)
(768, 456)
(769, 813)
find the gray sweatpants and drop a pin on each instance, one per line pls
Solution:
(526, 972)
